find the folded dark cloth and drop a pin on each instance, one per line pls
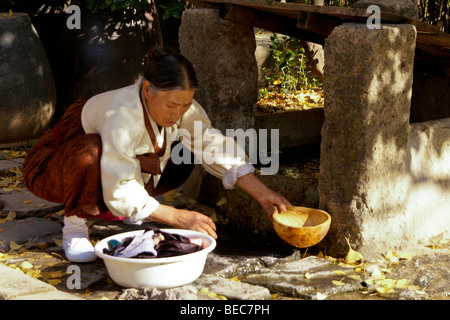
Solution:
(169, 245)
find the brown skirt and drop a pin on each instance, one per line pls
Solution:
(64, 167)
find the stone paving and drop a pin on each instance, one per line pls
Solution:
(244, 266)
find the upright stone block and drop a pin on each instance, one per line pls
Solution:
(363, 178)
(223, 55)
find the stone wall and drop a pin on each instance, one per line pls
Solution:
(385, 182)
(379, 174)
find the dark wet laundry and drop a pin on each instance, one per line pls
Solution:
(153, 243)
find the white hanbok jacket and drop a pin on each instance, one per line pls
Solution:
(117, 116)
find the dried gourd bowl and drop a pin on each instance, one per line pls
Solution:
(160, 273)
(300, 226)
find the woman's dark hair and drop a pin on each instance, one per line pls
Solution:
(169, 71)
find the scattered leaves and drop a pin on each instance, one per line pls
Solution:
(211, 294)
(275, 102)
(395, 258)
(58, 274)
(13, 181)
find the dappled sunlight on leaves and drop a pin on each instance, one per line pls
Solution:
(305, 99)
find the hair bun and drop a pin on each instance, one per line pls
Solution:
(160, 53)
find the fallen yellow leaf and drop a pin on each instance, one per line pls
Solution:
(392, 257)
(11, 216)
(339, 272)
(171, 195)
(401, 284)
(307, 275)
(10, 13)
(13, 246)
(26, 265)
(28, 201)
(61, 212)
(221, 202)
(54, 282)
(338, 283)
(58, 242)
(33, 273)
(405, 256)
(42, 245)
(4, 182)
(54, 274)
(353, 257)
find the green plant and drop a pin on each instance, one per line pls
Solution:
(172, 8)
(95, 5)
(290, 71)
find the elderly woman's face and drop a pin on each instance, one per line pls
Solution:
(167, 107)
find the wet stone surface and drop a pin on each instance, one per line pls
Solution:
(260, 274)
(244, 265)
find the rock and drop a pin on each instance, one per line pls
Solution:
(305, 277)
(406, 8)
(26, 204)
(365, 136)
(187, 292)
(231, 289)
(26, 230)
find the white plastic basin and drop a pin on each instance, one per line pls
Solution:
(160, 273)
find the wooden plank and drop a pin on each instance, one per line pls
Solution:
(292, 10)
(267, 21)
(314, 23)
(318, 23)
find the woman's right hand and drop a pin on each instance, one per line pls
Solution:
(184, 219)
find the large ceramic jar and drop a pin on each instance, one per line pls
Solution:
(27, 89)
(106, 53)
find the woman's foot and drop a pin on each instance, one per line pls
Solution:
(76, 244)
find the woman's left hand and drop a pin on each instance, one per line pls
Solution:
(266, 197)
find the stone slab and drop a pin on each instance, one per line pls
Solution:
(6, 165)
(26, 204)
(25, 230)
(14, 284)
(232, 289)
(306, 277)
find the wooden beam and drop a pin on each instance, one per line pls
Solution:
(269, 22)
(317, 23)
